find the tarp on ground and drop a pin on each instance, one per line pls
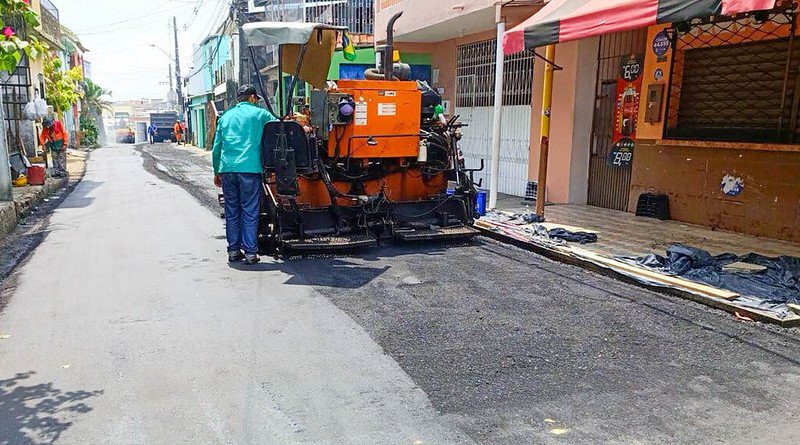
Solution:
(770, 289)
(565, 20)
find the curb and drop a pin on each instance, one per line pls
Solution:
(23, 208)
(12, 212)
(8, 218)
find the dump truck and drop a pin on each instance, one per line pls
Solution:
(164, 122)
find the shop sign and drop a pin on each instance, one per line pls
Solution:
(661, 45)
(626, 111)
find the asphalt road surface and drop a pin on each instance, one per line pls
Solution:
(126, 325)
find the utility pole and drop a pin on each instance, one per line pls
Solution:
(6, 193)
(178, 86)
(494, 166)
(238, 11)
(172, 87)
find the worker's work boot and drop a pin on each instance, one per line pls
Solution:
(251, 259)
(235, 257)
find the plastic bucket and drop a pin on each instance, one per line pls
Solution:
(480, 203)
(36, 175)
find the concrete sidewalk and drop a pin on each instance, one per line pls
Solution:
(27, 197)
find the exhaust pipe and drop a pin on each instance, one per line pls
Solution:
(388, 54)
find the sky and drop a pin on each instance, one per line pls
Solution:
(118, 35)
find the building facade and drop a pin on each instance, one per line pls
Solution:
(72, 56)
(725, 142)
(712, 119)
(207, 82)
(459, 39)
(27, 82)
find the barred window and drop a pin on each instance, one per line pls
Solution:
(735, 79)
(356, 15)
(475, 74)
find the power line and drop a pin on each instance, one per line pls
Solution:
(100, 29)
(218, 9)
(210, 63)
(196, 14)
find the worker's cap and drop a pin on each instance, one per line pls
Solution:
(47, 122)
(245, 91)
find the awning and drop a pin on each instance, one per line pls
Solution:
(284, 33)
(566, 20)
(318, 39)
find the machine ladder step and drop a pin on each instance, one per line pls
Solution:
(456, 232)
(332, 242)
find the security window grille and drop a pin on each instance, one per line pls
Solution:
(16, 87)
(356, 15)
(735, 79)
(475, 74)
(16, 91)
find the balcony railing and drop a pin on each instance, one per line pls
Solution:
(48, 6)
(356, 15)
(51, 26)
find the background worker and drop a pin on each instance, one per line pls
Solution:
(151, 133)
(238, 170)
(178, 129)
(54, 138)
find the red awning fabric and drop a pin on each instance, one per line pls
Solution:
(566, 20)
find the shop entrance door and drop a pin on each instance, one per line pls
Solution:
(609, 185)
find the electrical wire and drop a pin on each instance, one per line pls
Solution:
(210, 63)
(113, 26)
(438, 206)
(196, 13)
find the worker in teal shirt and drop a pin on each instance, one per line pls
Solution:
(238, 170)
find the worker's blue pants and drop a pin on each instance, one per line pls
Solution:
(242, 192)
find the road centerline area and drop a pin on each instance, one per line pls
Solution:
(144, 318)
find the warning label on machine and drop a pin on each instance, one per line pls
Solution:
(361, 113)
(388, 109)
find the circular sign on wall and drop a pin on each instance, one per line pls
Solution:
(658, 74)
(661, 44)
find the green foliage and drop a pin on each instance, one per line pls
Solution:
(93, 98)
(89, 127)
(62, 88)
(12, 48)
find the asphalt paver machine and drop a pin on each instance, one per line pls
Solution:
(363, 162)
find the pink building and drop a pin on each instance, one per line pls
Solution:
(712, 122)
(461, 37)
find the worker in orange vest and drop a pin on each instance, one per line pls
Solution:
(54, 137)
(178, 129)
